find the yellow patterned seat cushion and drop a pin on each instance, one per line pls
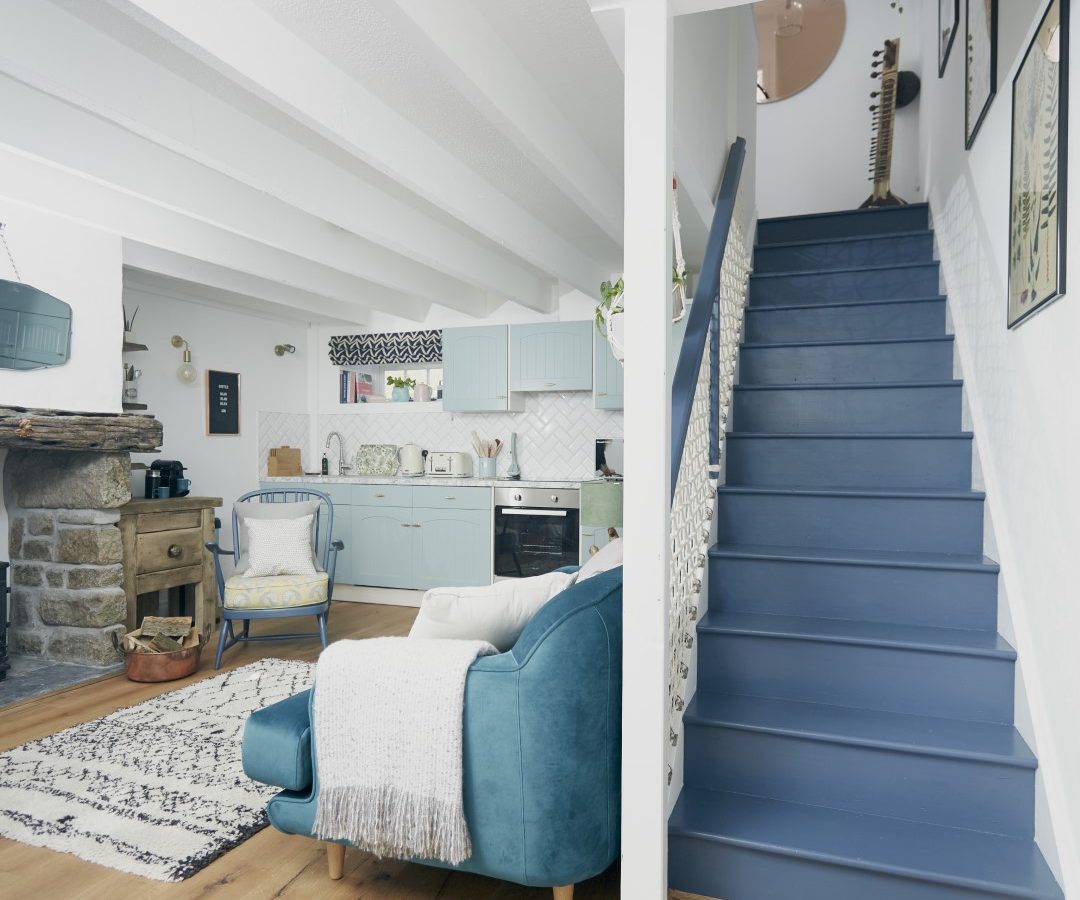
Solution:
(275, 591)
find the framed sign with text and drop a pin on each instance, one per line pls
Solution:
(222, 402)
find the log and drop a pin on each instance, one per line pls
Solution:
(170, 626)
(51, 429)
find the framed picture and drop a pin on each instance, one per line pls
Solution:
(1039, 168)
(222, 402)
(948, 17)
(980, 70)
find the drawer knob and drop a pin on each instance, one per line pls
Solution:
(175, 551)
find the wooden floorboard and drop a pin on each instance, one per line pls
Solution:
(270, 864)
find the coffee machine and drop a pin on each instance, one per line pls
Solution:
(170, 474)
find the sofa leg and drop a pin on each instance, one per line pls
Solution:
(335, 859)
(564, 892)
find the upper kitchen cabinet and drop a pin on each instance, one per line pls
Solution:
(475, 369)
(551, 356)
(607, 375)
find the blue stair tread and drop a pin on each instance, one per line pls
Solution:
(829, 213)
(889, 493)
(847, 435)
(850, 631)
(840, 556)
(986, 741)
(830, 304)
(847, 386)
(810, 242)
(856, 342)
(864, 267)
(995, 864)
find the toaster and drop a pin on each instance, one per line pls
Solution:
(449, 465)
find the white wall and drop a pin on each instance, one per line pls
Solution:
(1021, 387)
(81, 266)
(225, 340)
(814, 146)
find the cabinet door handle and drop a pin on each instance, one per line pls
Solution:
(450, 498)
(415, 526)
(175, 551)
(406, 525)
(380, 495)
(549, 384)
(600, 394)
(500, 396)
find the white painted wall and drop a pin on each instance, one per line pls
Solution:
(81, 266)
(814, 146)
(1021, 388)
(226, 340)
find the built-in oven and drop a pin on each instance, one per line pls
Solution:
(536, 531)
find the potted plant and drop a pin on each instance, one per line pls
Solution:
(609, 316)
(401, 386)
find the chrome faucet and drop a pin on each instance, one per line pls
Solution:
(341, 467)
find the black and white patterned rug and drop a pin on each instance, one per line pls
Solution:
(157, 789)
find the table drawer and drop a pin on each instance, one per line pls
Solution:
(382, 494)
(451, 497)
(168, 521)
(161, 550)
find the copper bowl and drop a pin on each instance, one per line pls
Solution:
(151, 667)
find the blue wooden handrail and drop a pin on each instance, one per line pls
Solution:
(706, 297)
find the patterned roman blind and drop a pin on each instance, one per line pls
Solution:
(387, 348)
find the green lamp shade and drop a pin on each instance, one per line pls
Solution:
(601, 504)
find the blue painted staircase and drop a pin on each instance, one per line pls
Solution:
(851, 737)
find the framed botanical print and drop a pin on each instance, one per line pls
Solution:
(1038, 173)
(948, 18)
(980, 69)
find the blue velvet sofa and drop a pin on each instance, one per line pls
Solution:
(541, 748)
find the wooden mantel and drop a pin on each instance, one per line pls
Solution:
(54, 429)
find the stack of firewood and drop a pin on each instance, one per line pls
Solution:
(161, 634)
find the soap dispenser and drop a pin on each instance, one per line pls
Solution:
(325, 465)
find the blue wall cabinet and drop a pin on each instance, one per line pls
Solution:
(453, 548)
(607, 375)
(383, 541)
(343, 532)
(551, 356)
(475, 369)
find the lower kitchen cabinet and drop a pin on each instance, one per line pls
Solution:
(597, 537)
(343, 532)
(452, 548)
(382, 546)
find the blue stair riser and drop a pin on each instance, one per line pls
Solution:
(910, 360)
(917, 409)
(879, 251)
(841, 461)
(847, 321)
(931, 524)
(896, 679)
(710, 868)
(943, 790)
(845, 223)
(850, 284)
(897, 594)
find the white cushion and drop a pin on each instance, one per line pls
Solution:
(279, 547)
(276, 591)
(293, 509)
(607, 557)
(496, 613)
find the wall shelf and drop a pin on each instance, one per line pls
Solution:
(132, 347)
(130, 407)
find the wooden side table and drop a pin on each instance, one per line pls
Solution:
(165, 546)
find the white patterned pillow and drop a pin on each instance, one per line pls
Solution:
(279, 547)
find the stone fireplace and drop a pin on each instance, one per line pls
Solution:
(65, 477)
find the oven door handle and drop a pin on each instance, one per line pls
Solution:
(524, 511)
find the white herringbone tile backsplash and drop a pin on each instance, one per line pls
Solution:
(284, 430)
(555, 432)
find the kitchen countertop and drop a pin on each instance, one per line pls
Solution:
(423, 479)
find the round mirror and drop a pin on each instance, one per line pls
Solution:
(797, 40)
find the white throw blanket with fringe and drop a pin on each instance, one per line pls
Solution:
(388, 722)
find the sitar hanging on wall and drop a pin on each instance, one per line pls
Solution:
(886, 68)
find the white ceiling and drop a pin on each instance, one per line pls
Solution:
(330, 157)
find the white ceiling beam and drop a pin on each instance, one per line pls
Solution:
(244, 43)
(145, 265)
(44, 184)
(56, 52)
(475, 60)
(71, 137)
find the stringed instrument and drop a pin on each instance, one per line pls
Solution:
(886, 68)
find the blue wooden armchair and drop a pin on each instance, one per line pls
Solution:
(277, 596)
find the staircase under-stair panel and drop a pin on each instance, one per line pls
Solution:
(852, 734)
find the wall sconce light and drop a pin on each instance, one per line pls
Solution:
(185, 373)
(282, 349)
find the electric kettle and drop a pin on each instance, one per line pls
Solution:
(411, 458)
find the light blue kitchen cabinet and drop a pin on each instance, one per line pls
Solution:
(551, 356)
(382, 545)
(452, 547)
(594, 537)
(344, 574)
(341, 496)
(475, 369)
(607, 375)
